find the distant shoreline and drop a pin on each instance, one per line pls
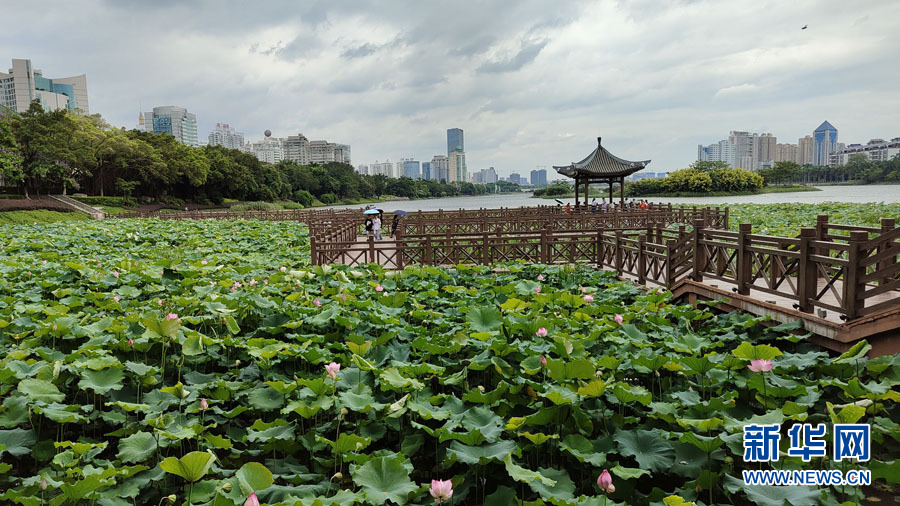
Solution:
(767, 189)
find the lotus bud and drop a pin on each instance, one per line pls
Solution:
(237, 364)
(344, 412)
(171, 499)
(226, 487)
(131, 343)
(43, 484)
(337, 476)
(543, 361)
(481, 388)
(203, 404)
(57, 366)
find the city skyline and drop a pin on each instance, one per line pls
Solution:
(389, 81)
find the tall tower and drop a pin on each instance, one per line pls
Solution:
(455, 141)
(825, 143)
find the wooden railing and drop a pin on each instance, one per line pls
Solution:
(851, 270)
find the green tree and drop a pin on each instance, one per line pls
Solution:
(705, 166)
(43, 141)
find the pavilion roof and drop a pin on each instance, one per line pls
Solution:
(601, 163)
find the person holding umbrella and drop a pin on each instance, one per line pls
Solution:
(370, 213)
(396, 221)
(376, 225)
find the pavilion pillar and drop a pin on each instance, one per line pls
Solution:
(610, 192)
(622, 190)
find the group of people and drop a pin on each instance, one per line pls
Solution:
(373, 225)
(603, 206)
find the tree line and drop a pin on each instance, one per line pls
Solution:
(60, 152)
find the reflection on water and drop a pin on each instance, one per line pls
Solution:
(867, 193)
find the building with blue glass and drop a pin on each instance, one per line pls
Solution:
(824, 143)
(455, 141)
(172, 120)
(25, 84)
(426, 170)
(410, 169)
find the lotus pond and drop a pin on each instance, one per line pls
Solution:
(148, 360)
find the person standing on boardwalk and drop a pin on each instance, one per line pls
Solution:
(394, 224)
(568, 208)
(376, 226)
(368, 226)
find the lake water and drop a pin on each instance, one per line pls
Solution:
(862, 193)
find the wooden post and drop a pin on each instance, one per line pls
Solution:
(806, 275)
(821, 232)
(670, 250)
(887, 224)
(429, 251)
(312, 250)
(485, 252)
(599, 247)
(642, 260)
(545, 246)
(852, 286)
(401, 245)
(699, 257)
(619, 252)
(371, 249)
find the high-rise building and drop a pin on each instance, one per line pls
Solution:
(786, 153)
(225, 136)
(440, 168)
(539, 177)
(806, 150)
(426, 170)
(296, 149)
(488, 175)
(342, 153)
(24, 84)
(455, 141)
(363, 170)
(722, 151)
(825, 143)
(173, 120)
(763, 149)
(410, 168)
(743, 150)
(385, 168)
(269, 149)
(876, 150)
(515, 177)
(478, 177)
(457, 166)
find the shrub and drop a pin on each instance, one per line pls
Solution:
(328, 198)
(687, 180)
(107, 201)
(256, 206)
(287, 204)
(643, 187)
(304, 197)
(552, 191)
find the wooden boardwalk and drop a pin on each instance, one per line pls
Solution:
(842, 281)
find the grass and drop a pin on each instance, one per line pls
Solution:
(114, 211)
(39, 216)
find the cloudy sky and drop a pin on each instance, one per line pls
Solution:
(532, 82)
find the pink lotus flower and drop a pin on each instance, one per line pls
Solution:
(252, 282)
(203, 262)
(317, 303)
(203, 404)
(43, 262)
(131, 343)
(760, 365)
(54, 327)
(541, 332)
(43, 483)
(265, 281)
(604, 481)
(618, 318)
(441, 490)
(252, 500)
(537, 289)
(379, 288)
(540, 277)
(583, 290)
(116, 298)
(159, 302)
(543, 361)
(343, 297)
(171, 316)
(333, 369)
(115, 274)
(589, 298)
(283, 268)
(98, 265)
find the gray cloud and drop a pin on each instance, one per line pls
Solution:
(527, 53)
(531, 82)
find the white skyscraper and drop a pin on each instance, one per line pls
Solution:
(173, 120)
(225, 136)
(23, 84)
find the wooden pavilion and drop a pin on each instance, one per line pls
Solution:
(600, 166)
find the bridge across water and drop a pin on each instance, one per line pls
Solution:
(841, 281)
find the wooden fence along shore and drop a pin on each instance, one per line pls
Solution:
(842, 281)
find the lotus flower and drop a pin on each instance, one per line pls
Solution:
(379, 288)
(131, 343)
(43, 483)
(159, 302)
(116, 298)
(115, 274)
(171, 316)
(589, 298)
(541, 332)
(252, 282)
(203, 262)
(537, 289)
(441, 490)
(540, 277)
(333, 369)
(252, 500)
(54, 327)
(618, 318)
(203, 404)
(760, 365)
(343, 297)
(282, 269)
(543, 361)
(604, 481)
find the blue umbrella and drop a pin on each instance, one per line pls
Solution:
(401, 213)
(371, 211)
(560, 201)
